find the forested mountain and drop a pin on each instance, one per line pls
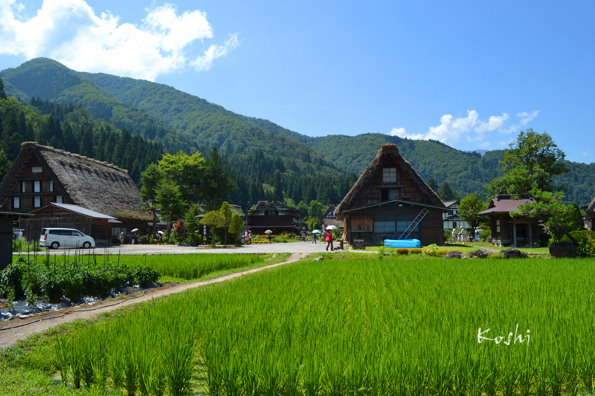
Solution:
(254, 148)
(72, 128)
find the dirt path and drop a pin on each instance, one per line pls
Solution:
(47, 320)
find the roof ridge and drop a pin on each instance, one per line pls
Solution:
(74, 155)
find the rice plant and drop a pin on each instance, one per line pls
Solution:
(401, 325)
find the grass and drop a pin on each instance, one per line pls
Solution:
(469, 246)
(397, 325)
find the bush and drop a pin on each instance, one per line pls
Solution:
(143, 240)
(53, 279)
(586, 243)
(485, 234)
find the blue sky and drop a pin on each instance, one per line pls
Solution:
(469, 73)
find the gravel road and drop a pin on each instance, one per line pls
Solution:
(256, 248)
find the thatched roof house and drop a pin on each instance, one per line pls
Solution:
(390, 200)
(41, 175)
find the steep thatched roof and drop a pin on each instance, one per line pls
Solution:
(387, 150)
(92, 184)
(591, 208)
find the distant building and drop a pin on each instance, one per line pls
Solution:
(450, 218)
(329, 218)
(509, 231)
(391, 201)
(273, 216)
(64, 189)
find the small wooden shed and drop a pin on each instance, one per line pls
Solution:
(509, 231)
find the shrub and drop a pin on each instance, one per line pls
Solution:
(430, 250)
(586, 243)
(70, 277)
(485, 234)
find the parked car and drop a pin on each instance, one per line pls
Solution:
(65, 237)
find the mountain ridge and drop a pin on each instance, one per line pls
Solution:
(180, 120)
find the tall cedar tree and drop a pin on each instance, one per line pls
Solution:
(217, 183)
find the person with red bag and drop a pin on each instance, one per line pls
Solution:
(328, 238)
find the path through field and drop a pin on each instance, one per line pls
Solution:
(48, 320)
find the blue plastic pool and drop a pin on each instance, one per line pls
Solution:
(402, 243)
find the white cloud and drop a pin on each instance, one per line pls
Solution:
(526, 117)
(401, 132)
(205, 61)
(493, 123)
(71, 32)
(471, 127)
(450, 131)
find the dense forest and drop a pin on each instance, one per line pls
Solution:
(254, 148)
(72, 128)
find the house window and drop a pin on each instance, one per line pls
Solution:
(23, 187)
(59, 199)
(16, 202)
(36, 186)
(37, 201)
(389, 175)
(36, 169)
(403, 225)
(51, 186)
(384, 226)
(393, 194)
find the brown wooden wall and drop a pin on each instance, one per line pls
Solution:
(25, 174)
(360, 225)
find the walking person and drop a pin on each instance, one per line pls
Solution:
(453, 235)
(328, 238)
(314, 237)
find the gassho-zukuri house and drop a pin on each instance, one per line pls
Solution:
(390, 200)
(63, 189)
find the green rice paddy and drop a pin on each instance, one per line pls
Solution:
(400, 325)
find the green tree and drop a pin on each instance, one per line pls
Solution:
(447, 193)
(315, 209)
(226, 214)
(559, 218)
(236, 226)
(217, 182)
(469, 208)
(278, 186)
(2, 93)
(531, 163)
(213, 219)
(189, 172)
(192, 223)
(170, 202)
(5, 163)
(432, 183)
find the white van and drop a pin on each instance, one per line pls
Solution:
(65, 237)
